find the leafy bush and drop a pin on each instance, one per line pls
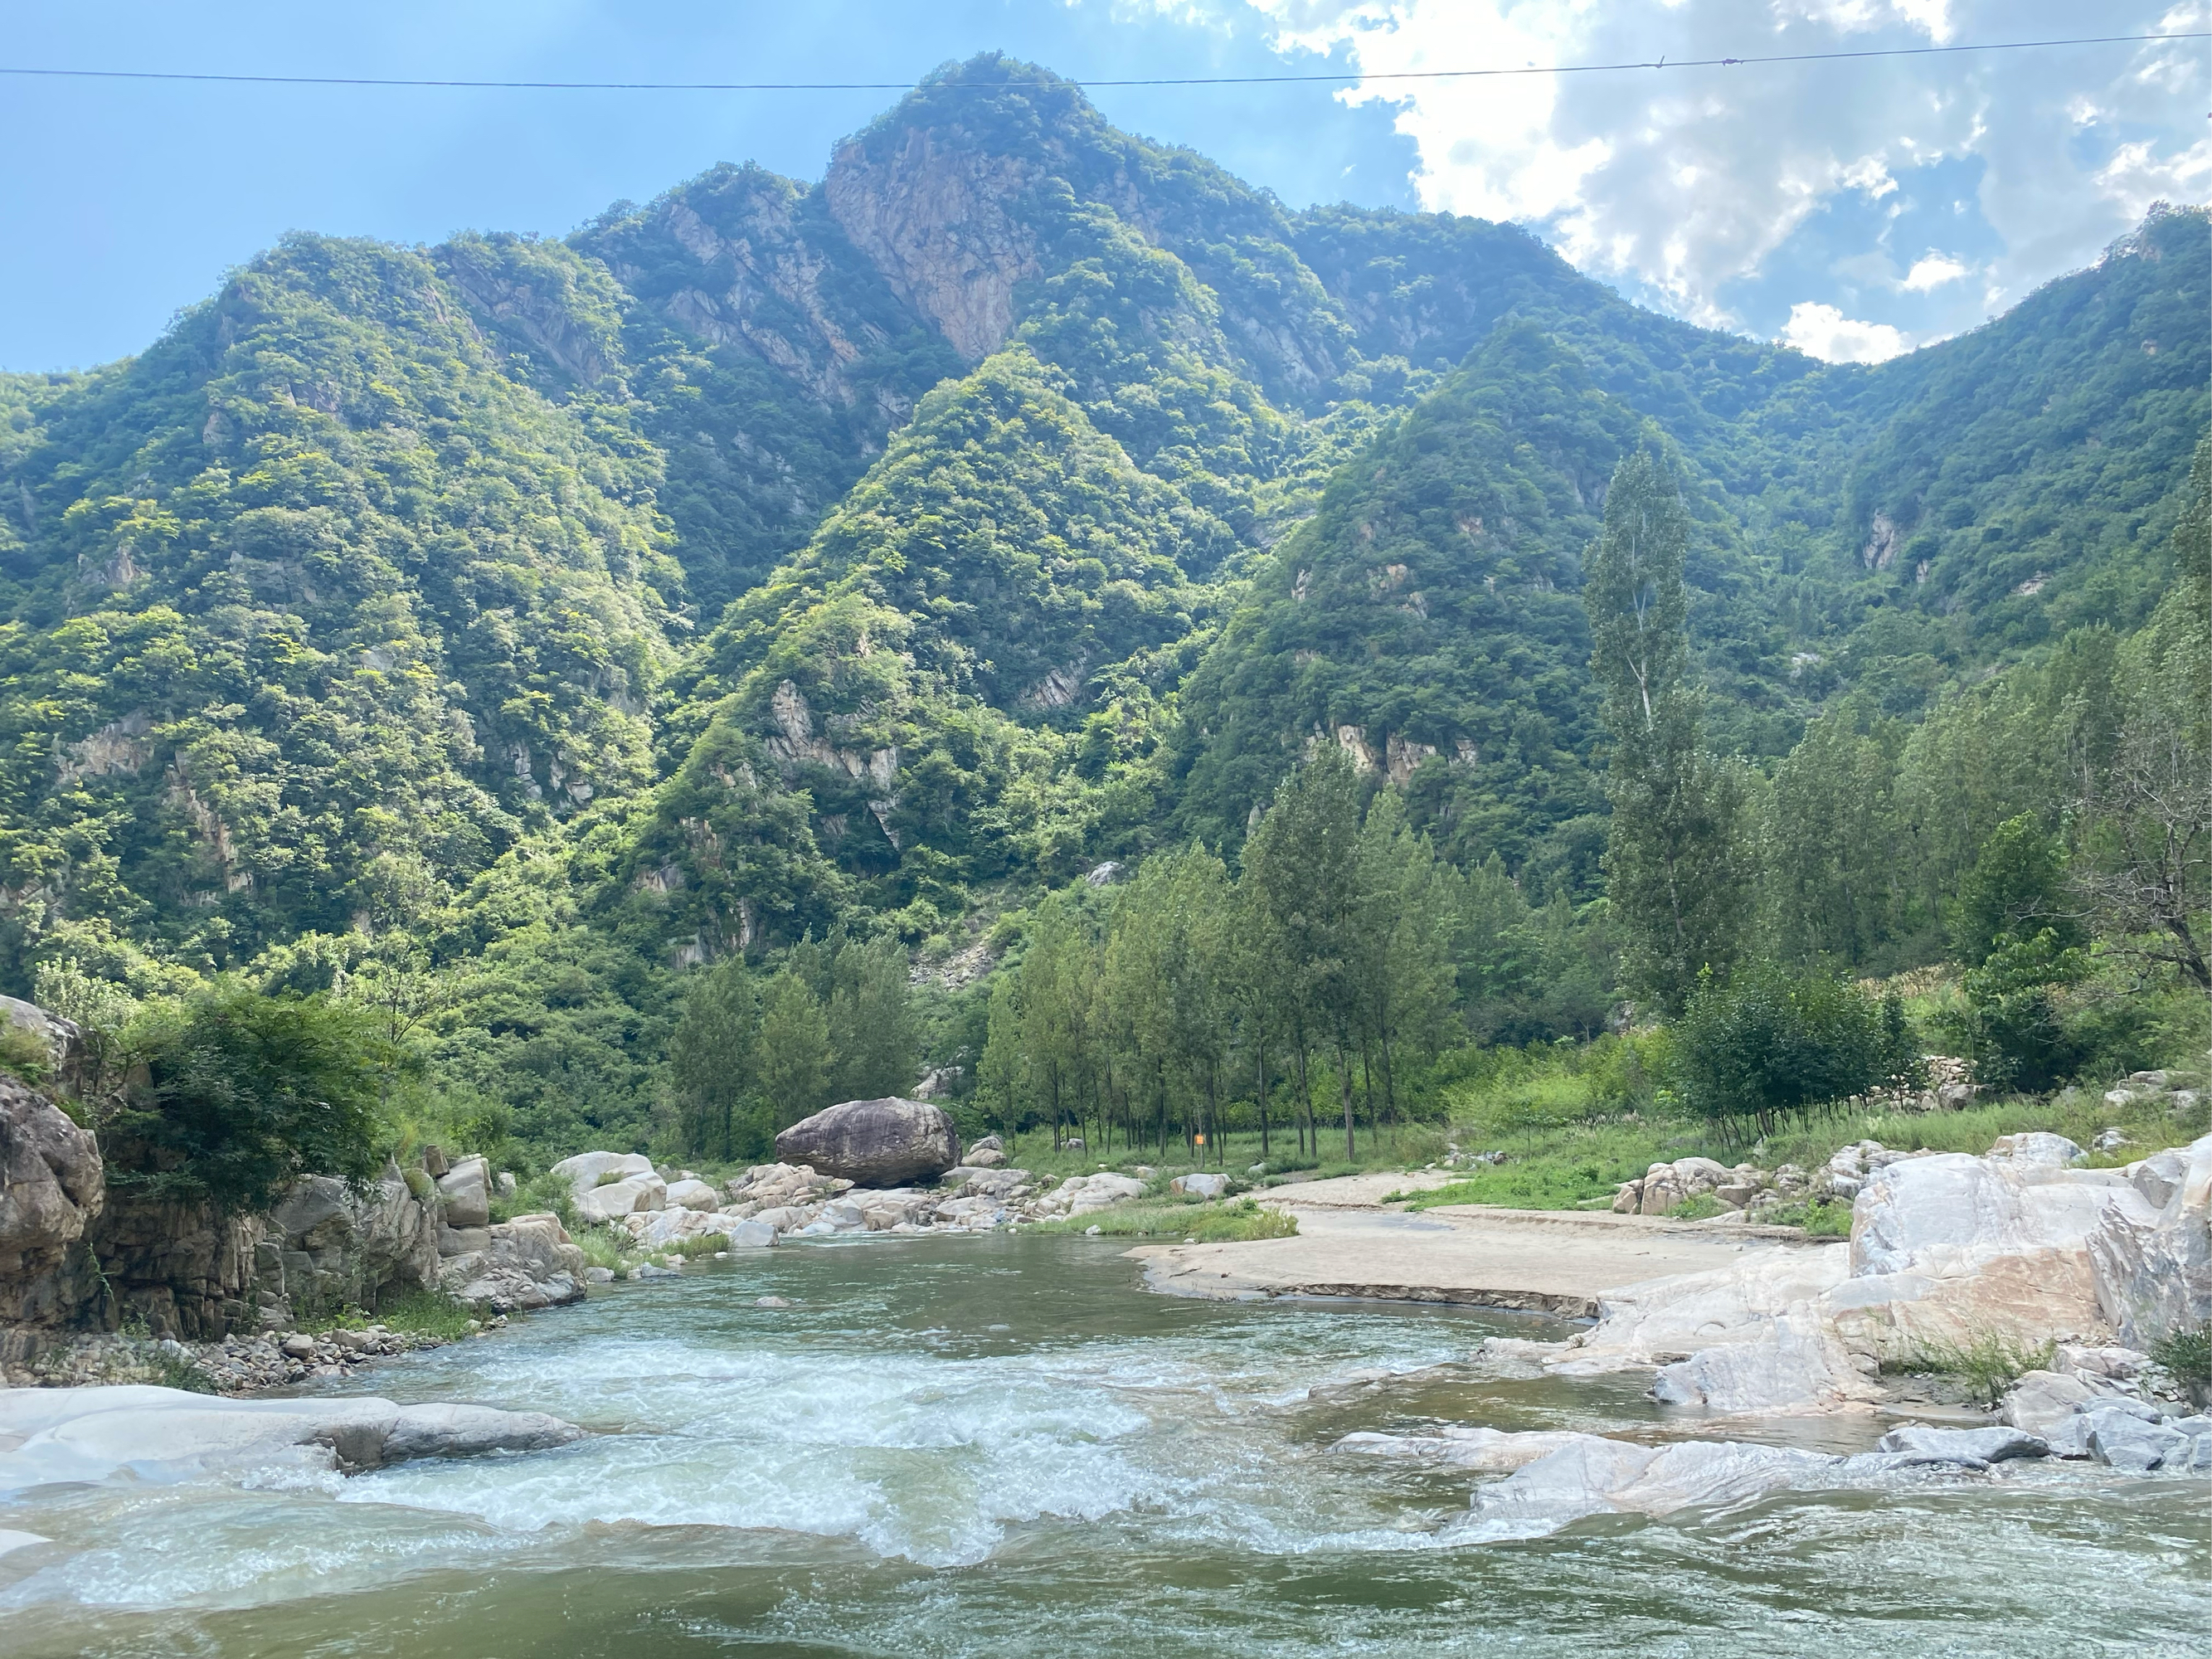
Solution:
(2187, 1354)
(425, 1313)
(244, 1092)
(24, 1055)
(1766, 1041)
(1698, 1207)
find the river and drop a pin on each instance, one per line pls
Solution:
(1001, 1446)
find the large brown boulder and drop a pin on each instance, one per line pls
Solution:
(51, 1186)
(874, 1143)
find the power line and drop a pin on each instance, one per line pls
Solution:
(1149, 81)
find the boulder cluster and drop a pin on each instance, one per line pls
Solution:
(2017, 1250)
(661, 1210)
(1554, 1477)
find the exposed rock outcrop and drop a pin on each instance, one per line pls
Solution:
(2151, 1263)
(525, 1263)
(52, 1188)
(874, 1143)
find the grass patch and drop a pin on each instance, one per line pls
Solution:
(426, 1312)
(1541, 1183)
(602, 1250)
(698, 1244)
(1234, 1221)
(1987, 1364)
(1698, 1207)
(172, 1370)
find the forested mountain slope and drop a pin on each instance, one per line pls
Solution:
(871, 552)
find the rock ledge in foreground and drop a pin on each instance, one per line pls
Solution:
(90, 1434)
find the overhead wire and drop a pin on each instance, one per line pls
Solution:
(1746, 60)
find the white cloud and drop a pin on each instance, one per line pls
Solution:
(1686, 182)
(1935, 270)
(1821, 330)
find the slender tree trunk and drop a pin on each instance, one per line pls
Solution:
(1344, 1088)
(1260, 1053)
(1306, 1096)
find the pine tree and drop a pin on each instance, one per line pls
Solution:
(1676, 859)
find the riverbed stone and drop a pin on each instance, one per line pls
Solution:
(465, 1190)
(582, 1172)
(888, 1142)
(693, 1194)
(1965, 1446)
(2039, 1401)
(1200, 1185)
(2126, 1441)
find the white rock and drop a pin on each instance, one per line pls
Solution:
(2038, 1147)
(2153, 1267)
(1798, 1365)
(1950, 1248)
(634, 1195)
(692, 1195)
(752, 1236)
(2041, 1400)
(1200, 1185)
(1595, 1476)
(582, 1172)
(90, 1434)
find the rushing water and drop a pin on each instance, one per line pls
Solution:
(1001, 1446)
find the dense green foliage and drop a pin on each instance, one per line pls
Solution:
(1765, 1042)
(244, 1092)
(535, 647)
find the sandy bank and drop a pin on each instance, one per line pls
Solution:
(1543, 1261)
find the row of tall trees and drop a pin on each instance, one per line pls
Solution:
(2050, 830)
(754, 1053)
(1314, 981)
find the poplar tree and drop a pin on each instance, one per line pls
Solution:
(711, 1057)
(1675, 863)
(793, 1063)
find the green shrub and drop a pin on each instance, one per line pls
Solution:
(2187, 1354)
(1828, 1220)
(1698, 1207)
(1987, 1364)
(1766, 1041)
(25, 1055)
(243, 1093)
(602, 1250)
(1233, 1222)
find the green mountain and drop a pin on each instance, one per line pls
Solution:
(1022, 494)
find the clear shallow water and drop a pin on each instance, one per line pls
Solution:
(1001, 1446)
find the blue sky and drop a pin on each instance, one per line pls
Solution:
(1856, 210)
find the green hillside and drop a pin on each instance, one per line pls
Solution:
(554, 619)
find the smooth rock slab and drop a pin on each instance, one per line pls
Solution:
(1972, 1448)
(91, 1434)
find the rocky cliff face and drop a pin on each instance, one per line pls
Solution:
(52, 1189)
(932, 213)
